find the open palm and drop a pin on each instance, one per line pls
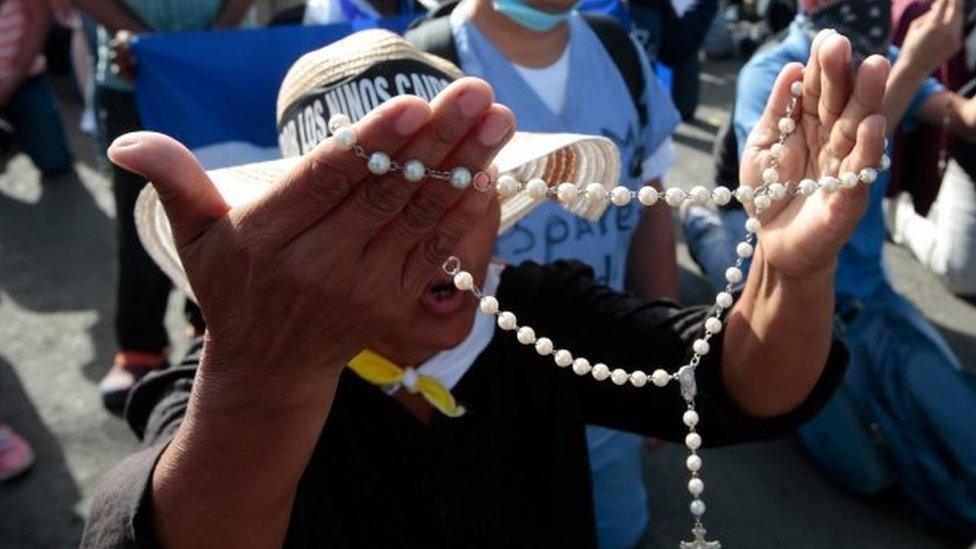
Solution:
(838, 129)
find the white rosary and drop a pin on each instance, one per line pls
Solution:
(761, 197)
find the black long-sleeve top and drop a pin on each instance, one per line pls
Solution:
(513, 471)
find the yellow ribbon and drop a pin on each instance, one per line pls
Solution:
(378, 370)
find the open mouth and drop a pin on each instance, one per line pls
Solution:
(442, 298)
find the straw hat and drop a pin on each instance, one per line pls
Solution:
(353, 76)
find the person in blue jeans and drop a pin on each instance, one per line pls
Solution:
(553, 71)
(26, 100)
(904, 415)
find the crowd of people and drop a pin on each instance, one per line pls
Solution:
(568, 469)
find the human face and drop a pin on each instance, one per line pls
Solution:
(443, 315)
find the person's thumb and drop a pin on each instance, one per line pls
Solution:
(190, 199)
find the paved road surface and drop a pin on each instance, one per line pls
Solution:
(56, 342)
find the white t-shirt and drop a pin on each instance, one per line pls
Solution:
(549, 83)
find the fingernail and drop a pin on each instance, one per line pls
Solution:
(472, 102)
(124, 142)
(494, 129)
(410, 120)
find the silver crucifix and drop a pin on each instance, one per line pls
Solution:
(686, 377)
(699, 541)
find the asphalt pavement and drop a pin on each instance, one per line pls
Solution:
(56, 341)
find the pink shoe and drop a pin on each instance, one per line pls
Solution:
(16, 456)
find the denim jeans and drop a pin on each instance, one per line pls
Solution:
(33, 113)
(903, 414)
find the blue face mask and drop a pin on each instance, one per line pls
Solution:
(529, 17)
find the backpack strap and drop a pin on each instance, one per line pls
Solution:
(616, 40)
(432, 33)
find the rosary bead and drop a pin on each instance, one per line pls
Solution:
(660, 378)
(713, 325)
(345, 138)
(507, 321)
(721, 195)
(694, 463)
(762, 202)
(566, 192)
(808, 187)
(460, 178)
(744, 250)
(777, 191)
(700, 195)
(724, 300)
(525, 335)
(753, 225)
(414, 171)
(885, 162)
(619, 377)
(829, 183)
(690, 418)
(674, 197)
(796, 88)
(693, 441)
(777, 150)
(638, 378)
(543, 346)
(537, 188)
(868, 175)
(696, 486)
(595, 192)
(507, 186)
(770, 176)
(338, 121)
(701, 347)
(848, 180)
(563, 358)
(647, 195)
(697, 507)
(482, 182)
(379, 163)
(489, 305)
(620, 196)
(581, 366)
(733, 275)
(600, 371)
(463, 281)
(745, 194)
(787, 125)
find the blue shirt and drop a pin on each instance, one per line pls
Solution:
(597, 102)
(860, 269)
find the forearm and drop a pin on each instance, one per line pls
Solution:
(778, 339)
(113, 15)
(903, 83)
(232, 14)
(652, 267)
(230, 475)
(952, 111)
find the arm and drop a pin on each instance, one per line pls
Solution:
(233, 13)
(249, 268)
(32, 44)
(113, 15)
(952, 110)
(932, 38)
(652, 267)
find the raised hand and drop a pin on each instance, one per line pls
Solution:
(838, 129)
(934, 36)
(305, 277)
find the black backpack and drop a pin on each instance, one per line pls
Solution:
(432, 34)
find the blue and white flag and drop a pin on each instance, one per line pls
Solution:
(216, 91)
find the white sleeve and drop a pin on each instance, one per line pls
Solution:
(662, 159)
